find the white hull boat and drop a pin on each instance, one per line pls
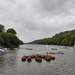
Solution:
(3, 50)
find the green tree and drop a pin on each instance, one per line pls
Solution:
(21, 42)
(6, 39)
(1, 28)
(14, 40)
(1, 41)
(11, 30)
(9, 39)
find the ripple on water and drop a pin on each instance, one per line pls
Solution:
(11, 64)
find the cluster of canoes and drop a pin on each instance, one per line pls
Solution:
(37, 57)
(58, 52)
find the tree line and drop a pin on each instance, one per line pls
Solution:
(8, 38)
(66, 38)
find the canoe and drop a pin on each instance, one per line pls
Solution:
(47, 58)
(29, 58)
(52, 57)
(53, 52)
(53, 48)
(42, 56)
(28, 48)
(38, 59)
(60, 52)
(1, 50)
(23, 58)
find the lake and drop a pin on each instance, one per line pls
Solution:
(64, 64)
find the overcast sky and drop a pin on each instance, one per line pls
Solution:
(37, 19)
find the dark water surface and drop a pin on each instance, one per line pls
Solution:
(64, 64)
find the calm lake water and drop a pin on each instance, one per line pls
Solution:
(64, 64)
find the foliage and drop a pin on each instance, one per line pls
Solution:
(66, 38)
(9, 40)
(11, 30)
(21, 42)
(1, 28)
(1, 41)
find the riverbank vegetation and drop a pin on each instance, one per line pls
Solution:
(66, 38)
(8, 38)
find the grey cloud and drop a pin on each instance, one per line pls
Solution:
(55, 7)
(29, 25)
(34, 19)
(10, 0)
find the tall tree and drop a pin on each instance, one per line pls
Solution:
(1, 41)
(11, 30)
(1, 28)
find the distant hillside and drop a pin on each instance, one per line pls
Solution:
(66, 38)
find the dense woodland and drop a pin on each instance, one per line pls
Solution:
(66, 38)
(8, 38)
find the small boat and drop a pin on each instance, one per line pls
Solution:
(51, 52)
(29, 58)
(1, 50)
(23, 58)
(48, 53)
(38, 59)
(28, 48)
(53, 48)
(4, 49)
(52, 57)
(60, 52)
(63, 47)
(46, 45)
(74, 45)
(47, 58)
